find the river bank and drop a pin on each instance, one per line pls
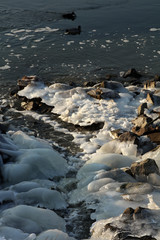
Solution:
(83, 155)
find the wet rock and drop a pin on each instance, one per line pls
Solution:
(4, 127)
(141, 108)
(103, 94)
(129, 136)
(116, 133)
(153, 99)
(128, 213)
(144, 167)
(155, 136)
(113, 85)
(117, 175)
(88, 84)
(132, 73)
(135, 188)
(25, 80)
(142, 121)
(150, 84)
(35, 104)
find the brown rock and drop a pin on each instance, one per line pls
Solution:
(103, 94)
(129, 136)
(142, 121)
(150, 84)
(141, 108)
(155, 137)
(140, 213)
(25, 80)
(128, 213)
(144, 167)
(153, 99)
(116, 133)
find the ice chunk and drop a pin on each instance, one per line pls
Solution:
(31, 219)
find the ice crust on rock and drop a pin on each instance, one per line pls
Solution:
(35, 163)
(7, 233)
(31, 219)
(53, 235)
(42, 197)
(112, 160)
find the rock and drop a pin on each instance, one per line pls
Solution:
(153, 99)
(117, 175)
(88, 84)
(140, 131)
(128, 213)
(141, 108)
(142, 121)
(150, 84)
(25, 80)
(129, 136)
(35, 104)
(132, 73)
(4, 127)
(116, 133)
(113, 85)
(155, 137)
(135, 188)
(103, 94)
(110, 76)
(144, 167)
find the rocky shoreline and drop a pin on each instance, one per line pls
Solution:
(116, 187)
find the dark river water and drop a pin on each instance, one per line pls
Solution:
(116, 35)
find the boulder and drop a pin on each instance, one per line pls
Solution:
(155, 137)
(35, 104)
(25, 80)
(116, 133)
(150, 84)
(113, 85)
(132, 73)
(144, 167)
(142, 121)
(141, 108)
(153, 99)
(129, 136)
(103, 93)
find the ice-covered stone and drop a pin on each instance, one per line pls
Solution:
(31, 219)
